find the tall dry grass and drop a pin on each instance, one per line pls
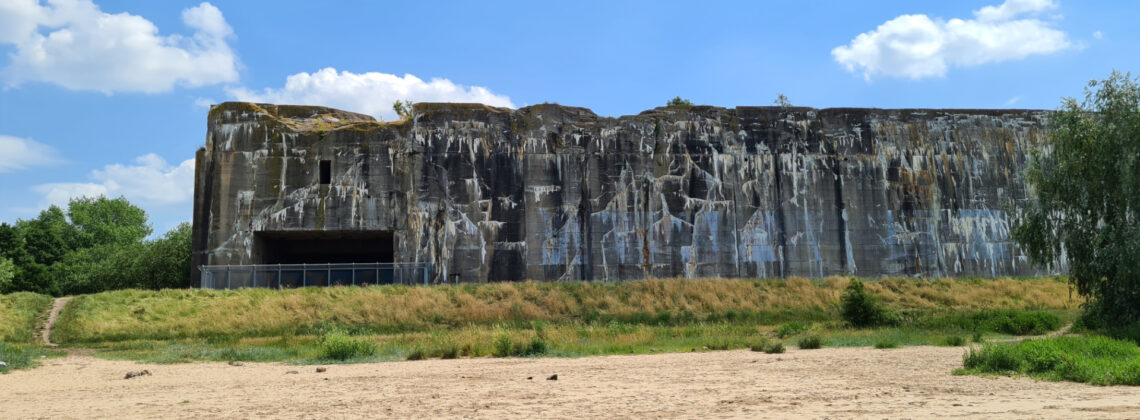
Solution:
(133, 314)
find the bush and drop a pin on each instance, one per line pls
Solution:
(502, 345)
(774, 348)
(759, 345)
(886, 344)
(537, 347)
(955, 341)
(1095, 360)
(810, 342)
(417, 353)
(1010, 322)
(449, 352)
(978, 337)
(791, 328)
(862, 309)
(339, 345)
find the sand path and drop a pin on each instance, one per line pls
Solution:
(913, 382)
(56, 307)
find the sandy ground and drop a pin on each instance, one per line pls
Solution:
(913, 382)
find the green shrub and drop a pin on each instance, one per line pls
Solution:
(339, 345)
(886, 344)
(1010, 322)
(759, 344)
(502, 345)
(955, 341)
(774, 348)
(417, 353)
(468, 350)
(791, 328)
(862, 309)
(449, 351)
(978, 337)
(1096, 360)
(810, 342)
(537, 347)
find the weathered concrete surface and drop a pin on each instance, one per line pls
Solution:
(557, 193)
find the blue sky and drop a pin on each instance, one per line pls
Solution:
(110, 97)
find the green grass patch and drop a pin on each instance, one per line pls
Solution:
(1095, 360)
(19, 316)
(1004, 321)
(792, 328)
(16, 356)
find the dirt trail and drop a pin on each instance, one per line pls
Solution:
(56, 308)
(911, 382)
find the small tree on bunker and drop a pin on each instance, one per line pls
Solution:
(1085, 205)
(782, 101)
(679, 101)
(403, 108)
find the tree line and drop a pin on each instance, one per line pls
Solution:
(97, 244)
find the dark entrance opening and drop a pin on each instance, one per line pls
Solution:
(327, 258)
(323, 247)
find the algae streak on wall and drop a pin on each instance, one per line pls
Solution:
(550, 192)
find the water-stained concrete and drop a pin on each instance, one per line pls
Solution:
(550, 192)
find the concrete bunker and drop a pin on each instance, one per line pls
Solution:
(306, 195)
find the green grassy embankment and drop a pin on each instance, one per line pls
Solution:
(513, 319)
(20, 316)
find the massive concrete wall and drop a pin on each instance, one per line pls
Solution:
(557, 193)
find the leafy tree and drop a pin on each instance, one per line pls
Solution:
(166, 262)
(107, 221)
(7, 273)
(12, 245)
(1086, 207)
(678, 101)
(49, 237)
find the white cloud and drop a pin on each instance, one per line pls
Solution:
(1013, 100)
(17, 154)
(917, 46)
(1098, 34)
(74, 44)
(204, 103)
(150, 180)
(370, 93)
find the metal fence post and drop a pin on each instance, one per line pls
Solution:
(227, 277)
(304, 275)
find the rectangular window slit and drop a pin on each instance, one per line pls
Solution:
(326, 172)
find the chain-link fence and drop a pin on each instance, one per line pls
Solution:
(303, 275)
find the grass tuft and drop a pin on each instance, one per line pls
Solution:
(887, 344)
(810, 342)
(339, 345)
